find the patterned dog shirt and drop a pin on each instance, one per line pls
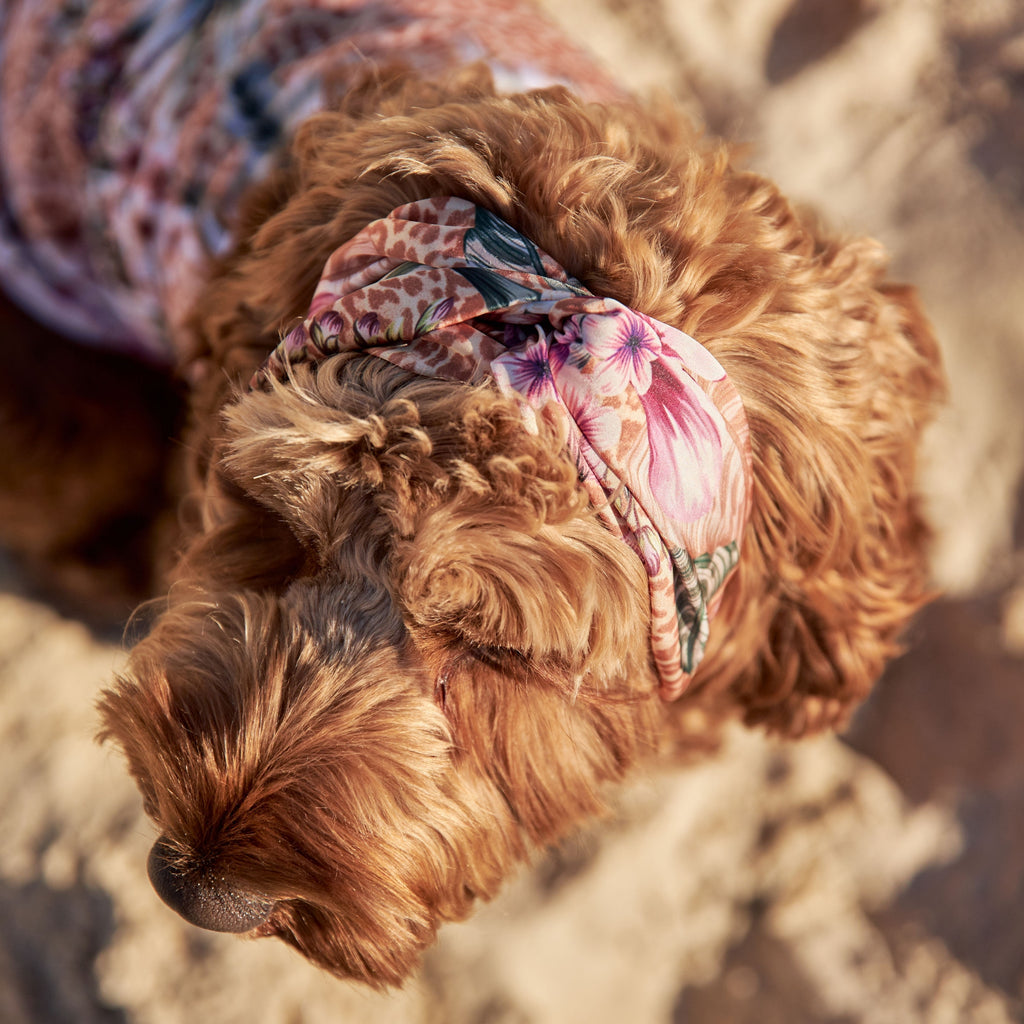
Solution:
(129, 129)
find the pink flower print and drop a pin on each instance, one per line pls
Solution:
(698, 360)
(624, 346)
(686, 449)
(323, 300)
(295, 340)
(433, 316)
(331, 323)
(526, 371)
(570, 331)
(366, 328)
(599, 425)
(648, 545)
(567, 344)
(323, 332)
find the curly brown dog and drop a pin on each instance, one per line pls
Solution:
(401, 648)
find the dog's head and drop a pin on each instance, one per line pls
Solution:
(403, 653)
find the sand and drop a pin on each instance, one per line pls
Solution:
(875, 877)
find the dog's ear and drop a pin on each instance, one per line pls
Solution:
(834, 558)
(506, 563)
(556, 596)
(321, 455)
(478, 519)
(234, 540)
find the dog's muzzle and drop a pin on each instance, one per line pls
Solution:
(203, 898)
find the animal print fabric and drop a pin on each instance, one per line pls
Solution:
(129, 129)
(447, 289)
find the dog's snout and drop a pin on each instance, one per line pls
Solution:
(204, 898)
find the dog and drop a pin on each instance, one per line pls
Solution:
(526, 438)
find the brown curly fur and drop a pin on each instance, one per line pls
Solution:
(399, 650)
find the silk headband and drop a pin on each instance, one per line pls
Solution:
(446, 289)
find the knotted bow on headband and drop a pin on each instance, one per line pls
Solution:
(446, 289)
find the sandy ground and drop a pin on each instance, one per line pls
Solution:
(876, 877)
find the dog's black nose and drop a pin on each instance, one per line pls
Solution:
(204, 898)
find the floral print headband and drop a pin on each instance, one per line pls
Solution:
(446, 289)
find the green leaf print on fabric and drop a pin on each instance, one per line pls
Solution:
(403, 268)
(697, 581)
(497, 291)
(493, 244)
(433, 316)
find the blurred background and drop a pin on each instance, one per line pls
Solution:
(873, 877)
